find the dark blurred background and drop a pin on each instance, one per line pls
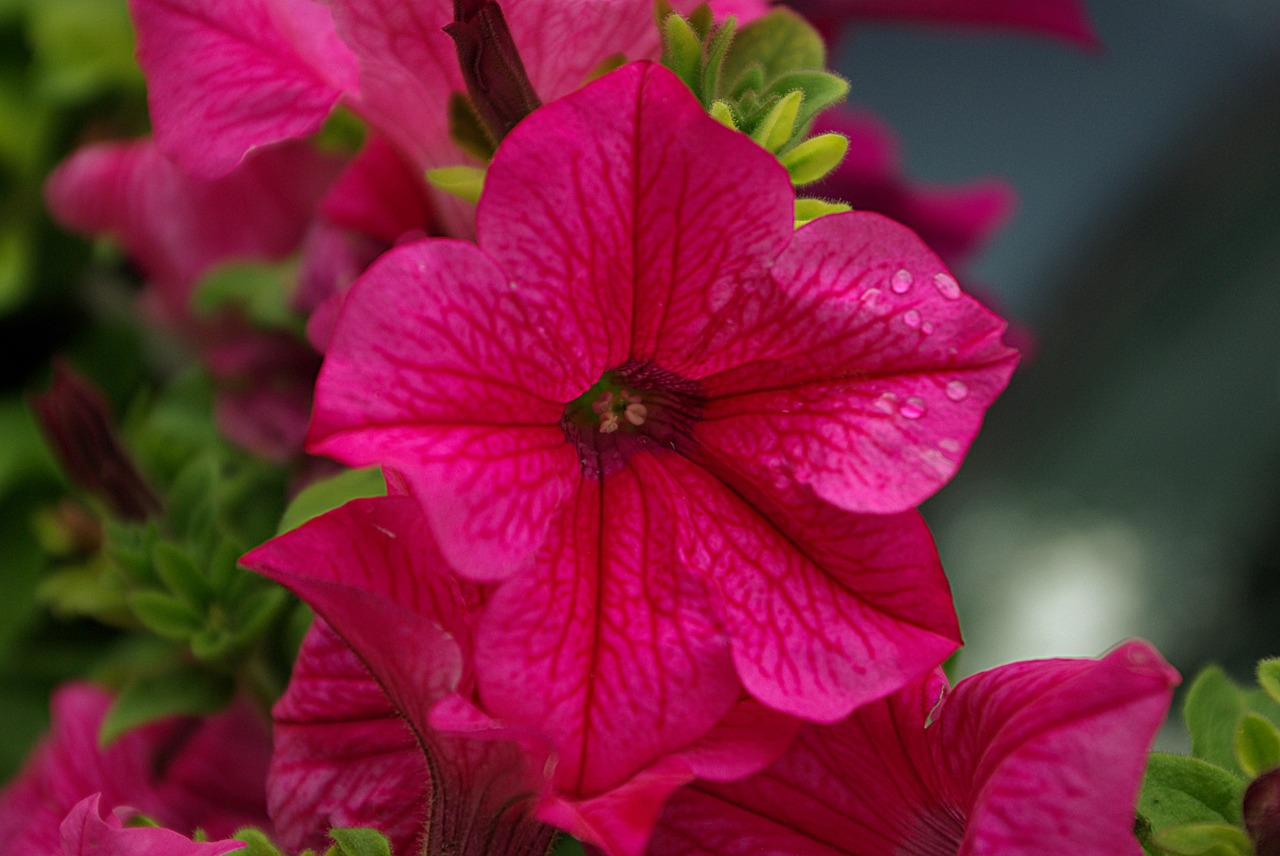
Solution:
(1128, 483)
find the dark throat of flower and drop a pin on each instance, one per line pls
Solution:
(636, 407)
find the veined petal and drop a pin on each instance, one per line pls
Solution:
(343, 755)
(643, 230)
(226, 76)
(607, 644)
(470, 379)
(1031, 758)
(827, 612)
(868, 383)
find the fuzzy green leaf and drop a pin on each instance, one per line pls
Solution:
(781, 42)
(1203, 839)
(1269, 678)
(778, 125)
(1213, 707)
(814, 158)
(1257, 745)
(821, 89)
(1177, 789)
(360, 842)
(682, 51)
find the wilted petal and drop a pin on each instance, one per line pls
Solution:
(227, 76)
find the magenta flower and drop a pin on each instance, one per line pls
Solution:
(86, 833)
(686, 435)
(183, 773)
(1063, 19)
(954, 221)
(1026, 759)
(225, 76)
(384, 724)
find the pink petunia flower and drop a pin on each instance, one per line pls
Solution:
(384, 724)
(183, 773)
(226, 76)
(1022, 760)
(687, 436)
(86, 833)
(1062, 19)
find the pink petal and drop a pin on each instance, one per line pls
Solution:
(227, 76)
(472, 376)
(85, 833)
(380, 195)
(643, 229)
(344, 755)
(954, 221)
(608, 644)
(1066, 19)
(175, 226)
(827, 613)
(1053, 752)
(1025, 759)
(869, 379)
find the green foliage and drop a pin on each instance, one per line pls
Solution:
(178, 690)
(767, 80)
(359, 842)
(259, 291)
(328, 494)
(1269, 678)
(567, 845)
(1193, 806)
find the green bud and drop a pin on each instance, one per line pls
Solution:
(723, 113)
(814, 158)
(464, 182)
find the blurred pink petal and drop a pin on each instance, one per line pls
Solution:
(1062, 19)
(85, 833)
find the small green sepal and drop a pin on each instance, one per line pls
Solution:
(778, 125)
(809, 209)
(359, 842)
(464, 182)
(1257, 745)
(723, 113)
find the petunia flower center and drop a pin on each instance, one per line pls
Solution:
(636, 406)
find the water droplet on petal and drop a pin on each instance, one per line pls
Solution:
(902, 281)
(871, 297)
(911, 318)
(885, 403)
(912, 408)
(957, 390)
(927, 328)
(947, 285)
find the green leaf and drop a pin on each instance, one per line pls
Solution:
(814, 158)
(82, 47)
(1203, 839)
(722, 113)
(717, 49)
(180, 691)
(821, 89)
(1269, 678)
(567, 845)
(1213, 707)
(258, 290)
(682, 51)
(808, 209)
(183, 577)
(360, 842)
(1257, 745)
(776, 128)
(15, 267)
(166, 615)
(328, 494)
(467, 129)
(90, 589)
(257, 843)
(781, 42)
(1177, 789)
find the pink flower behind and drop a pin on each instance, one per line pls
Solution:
(86, 833)
(1026, 759)
(183, 773)
(1063, 19)
(663, 416)
(402, 738)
